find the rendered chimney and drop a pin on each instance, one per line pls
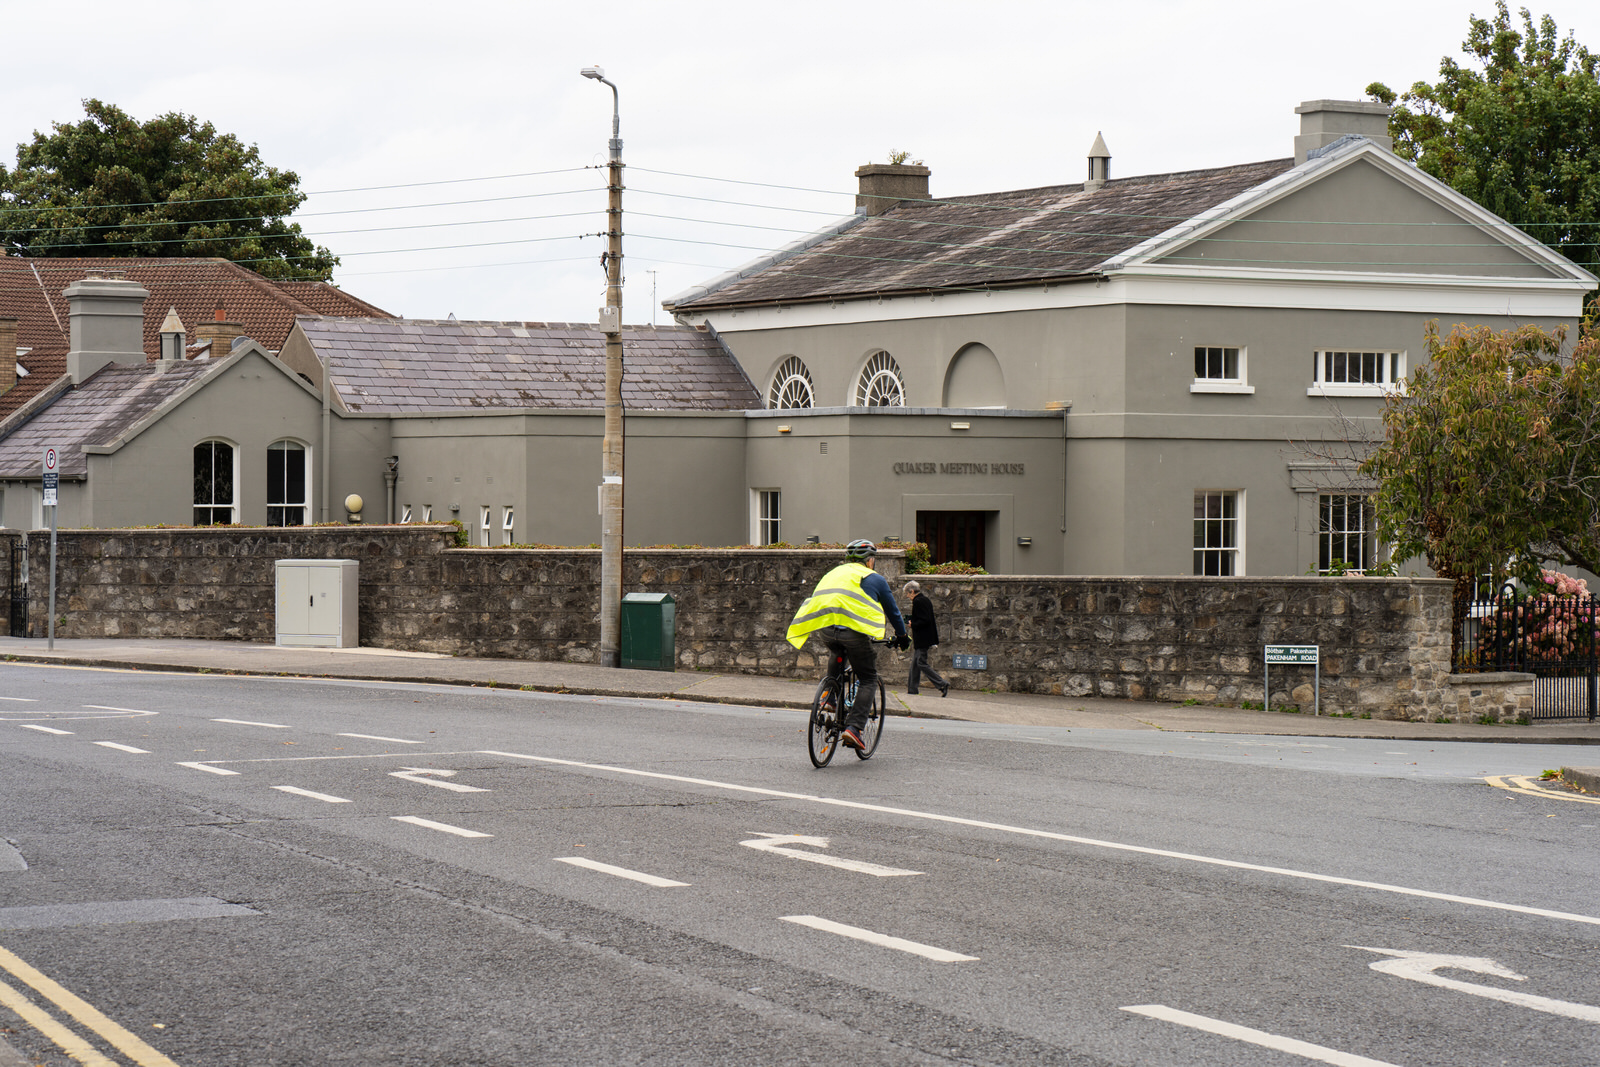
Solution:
(883, 185)
(1099, 164)
(221, 331)
(8, 354)
(105, 324)
(1323, 122)
(172, 337)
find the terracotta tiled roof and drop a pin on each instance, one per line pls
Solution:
(996, 239)
(420, 365)
(97, 412)
(30, 292)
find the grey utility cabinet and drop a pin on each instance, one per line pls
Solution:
(317, 602)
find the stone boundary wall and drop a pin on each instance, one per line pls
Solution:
(1496, 696)
(1384, 641)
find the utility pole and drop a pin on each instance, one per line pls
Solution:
(612, 446)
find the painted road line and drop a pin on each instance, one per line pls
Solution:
(208, 768)
(776, 842)
(1050, 835)
(122, 748)
(297, 791)
(247, 722)
(938, 955)
(131, 711)
(22, 700)
(45, 729)
(51, 1027)
(1419, 967)
(414, 774)
(81, 1010)
(620, 872)
(445, 827)
(1524, 784)
(1304, 1049)
(375, 737)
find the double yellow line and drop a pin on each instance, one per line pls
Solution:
(1526, 785)
(85, 1013)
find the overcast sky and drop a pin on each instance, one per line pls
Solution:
(743, 122)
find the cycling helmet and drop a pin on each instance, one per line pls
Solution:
(860, 550)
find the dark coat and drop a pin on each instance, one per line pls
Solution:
(924, 628)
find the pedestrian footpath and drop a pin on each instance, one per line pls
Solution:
(970, 705)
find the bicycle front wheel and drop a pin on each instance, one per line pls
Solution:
(822, 729)
(874, 728)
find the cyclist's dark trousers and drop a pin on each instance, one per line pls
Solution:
(920, 665)
(856, 647)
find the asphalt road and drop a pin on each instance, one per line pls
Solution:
(249, 871)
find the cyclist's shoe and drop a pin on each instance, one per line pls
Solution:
(852, 738)
(826, 704)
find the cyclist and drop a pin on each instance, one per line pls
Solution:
(850, 607)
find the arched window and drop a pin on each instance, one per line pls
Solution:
(791, 386)
(213, 484)
(881, 385)
(286, 484)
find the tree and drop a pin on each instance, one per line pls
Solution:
(1491, 458)
(1521, 136)
(173, 186)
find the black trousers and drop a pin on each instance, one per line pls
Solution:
(856, 647)
(920, 666)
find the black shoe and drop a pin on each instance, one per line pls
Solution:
(944, 690)
(911, 692)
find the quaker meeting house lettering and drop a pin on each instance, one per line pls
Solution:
(960, 468)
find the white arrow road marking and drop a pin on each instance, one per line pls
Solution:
(1306, 1049)
(247, 722)
(1419, 967)
(938, 955)
(45, 729)
(123, 748)
(620, 872)
(375, 737)
(413, 774)
(297, 791)
(208, 767)
(430, 824)
(776, 843)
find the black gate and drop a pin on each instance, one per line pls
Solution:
(18, 591)
(1549, 636)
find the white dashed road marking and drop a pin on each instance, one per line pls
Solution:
(123, 748)
(1303, 1049)
(375, 737)
(620, 872)
(45, 729)
(297, 791)
(431, 825)
(246, 722)
(938, 955)
(208, 767)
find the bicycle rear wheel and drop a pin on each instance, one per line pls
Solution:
(874, 728)
(822, 729)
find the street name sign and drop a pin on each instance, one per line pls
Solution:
(1302, 655)
(1292, 654)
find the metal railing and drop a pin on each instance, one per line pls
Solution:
(1554, 638)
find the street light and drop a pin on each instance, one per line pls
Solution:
(611, 448)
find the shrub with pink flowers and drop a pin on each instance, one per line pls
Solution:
(1554, 621)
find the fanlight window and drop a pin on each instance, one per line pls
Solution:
(881, 385)
(791, 386)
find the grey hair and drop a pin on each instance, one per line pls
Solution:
(912, 587)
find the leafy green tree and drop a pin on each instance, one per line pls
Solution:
(1491, 458)
(1519, 136)
(173, 186)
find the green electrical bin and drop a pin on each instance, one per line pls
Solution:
(650, 631)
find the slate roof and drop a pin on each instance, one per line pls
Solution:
(97, 412)
(267, 309)
(401, 365)
(989, 241)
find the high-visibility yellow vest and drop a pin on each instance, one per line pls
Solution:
(839, 601)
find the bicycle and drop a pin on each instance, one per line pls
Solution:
(827, 716)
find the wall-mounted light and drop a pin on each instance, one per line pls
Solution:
(783, 429)
(961, 425)
(1024, 542)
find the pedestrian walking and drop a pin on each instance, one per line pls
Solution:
(924, 636)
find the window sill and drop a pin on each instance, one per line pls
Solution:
(1206, 386)
(1353, 390)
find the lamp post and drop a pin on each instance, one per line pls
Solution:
(611, 448)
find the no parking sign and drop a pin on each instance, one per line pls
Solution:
(51, 477)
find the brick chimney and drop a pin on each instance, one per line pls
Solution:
(220, 331)
(883, 185)
(1323, 122)
(105, 323)
(8, 354)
